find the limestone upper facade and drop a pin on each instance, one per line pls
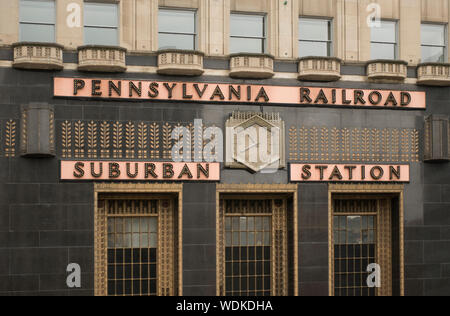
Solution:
(138, 27)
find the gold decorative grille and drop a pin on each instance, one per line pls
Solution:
(361, 236)
(253, 246)
(136, 245)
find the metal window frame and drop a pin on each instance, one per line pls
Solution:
(445, 46)
(264, 39)
(195, 34)
(100, 228)
(366, 189)
(34, 23)
(397, 38)
(330, 40)
(242, 191)
(117, 28)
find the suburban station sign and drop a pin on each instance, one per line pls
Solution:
(349, 173)
(139, 171)
(235, 93)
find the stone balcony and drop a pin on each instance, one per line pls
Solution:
(325, 69)
(45, 56)
(387, 70)
(180, 63)
(102, 58)
(251, 66)
(433, 74)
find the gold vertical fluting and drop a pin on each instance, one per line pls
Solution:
(100, 247)
(384, 242)
(166, 248)
(279, 253)
(221, 247)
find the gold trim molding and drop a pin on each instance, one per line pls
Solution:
(99, 226)
(397, 189)
(243, 189)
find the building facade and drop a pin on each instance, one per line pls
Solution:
(224, 147)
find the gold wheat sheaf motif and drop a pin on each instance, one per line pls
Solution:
(10, 138)
(92, 140)
(66, 139)
(105, 140)
(79, 139)
(349, 145)
(117, 139)
(129, 139)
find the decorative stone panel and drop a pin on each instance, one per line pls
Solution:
(102, 58)
(180, 63)
(387, 70)
(46, 56)
(433, 74)
(255, 141)
(437, 138)
(319, 69)
(251, 66)
(37, 130)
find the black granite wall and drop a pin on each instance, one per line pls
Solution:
(46, 224)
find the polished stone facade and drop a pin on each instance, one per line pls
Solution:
(45, 224)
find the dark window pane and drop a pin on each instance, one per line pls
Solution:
(144, 255)
(119, 288)
(119, 271)
(119, 255)
(128, 271)
(144, 287)
(136, 271)
(136, 287)
(153, 271)
(111, 287)
(144, 271)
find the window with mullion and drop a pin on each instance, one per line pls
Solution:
(101, 24)
(384, 41)
(315, 37)
(177, 29)
(37, 21)
(433, 39)
(247, 33)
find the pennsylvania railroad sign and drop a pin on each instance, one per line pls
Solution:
(146, 90)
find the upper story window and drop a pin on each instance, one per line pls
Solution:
(101, 24)
(384, 41)
(247, 33)
(177, 29)
(315, 37)
(37, 21)
(433, 42)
